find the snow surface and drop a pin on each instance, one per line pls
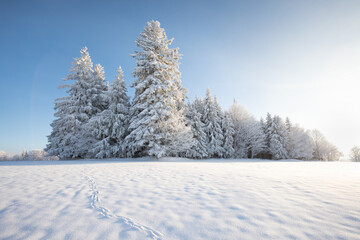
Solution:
(179, 199)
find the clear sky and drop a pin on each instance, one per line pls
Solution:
(299, 59)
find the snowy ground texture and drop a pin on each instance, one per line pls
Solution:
(179, 199)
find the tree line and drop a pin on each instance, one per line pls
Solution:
(96, 120)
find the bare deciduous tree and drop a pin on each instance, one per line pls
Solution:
(355, 154)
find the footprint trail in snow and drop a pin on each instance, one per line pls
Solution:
(95, 204)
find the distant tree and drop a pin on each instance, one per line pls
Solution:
(4, 156)
(228, 132)
(240, 116)
(212, 127)
(355, 154)
(24, 155)
(256, 139)
(322, 149)
(266, 128)
(278, 139)
(249, 137)
(319, 142)
(33, 155)
(288, 124)
(199, 148)
(299, 144)
(36, 155)
(198, 105)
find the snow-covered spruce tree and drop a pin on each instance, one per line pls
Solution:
(256, 139)
(98, 93)
(157, 124)
(228, 132)
(86, 98)
(266, 128)
(299, 143)
(288, 124)
(99, 90)
(262, 124)
(198, 105)
(239, 116)
(249, 138)
(278, 139)
(109, 127)
(199, 149)
(212, 127)
(221, 115)
(265, 152)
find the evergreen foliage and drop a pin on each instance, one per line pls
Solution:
(94, 120)
(157, 125)
(199, 149)
(212, 127)
(110, 126)
(86, 98)
(228, 132)
(278, 139)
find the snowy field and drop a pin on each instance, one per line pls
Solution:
(179, 199)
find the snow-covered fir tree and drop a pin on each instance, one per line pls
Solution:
(266, 128)
(239, 115)
(199, 149)
(228, 132)
(212, 127)
(221, 116)
(109, 127)
(256, 139)
(157, 125)
(278, 139)
(85, 100)
(249, 138)
(98, 94)
(299, 142)
(265, 152)
(66, 123)
(288, 124)
(100, 89)
(198, 105)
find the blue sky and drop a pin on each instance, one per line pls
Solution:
(292, 58)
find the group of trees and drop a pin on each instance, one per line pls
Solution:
(355, 154)
(237, 134)
(33, 155)
(98, 121)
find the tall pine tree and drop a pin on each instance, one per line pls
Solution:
(278, 139)
(109, 127)
(212, 127)
(85, 99)
(157, 125)
(228, 132)
(199, 149)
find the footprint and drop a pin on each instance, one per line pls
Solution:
(95, 204)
